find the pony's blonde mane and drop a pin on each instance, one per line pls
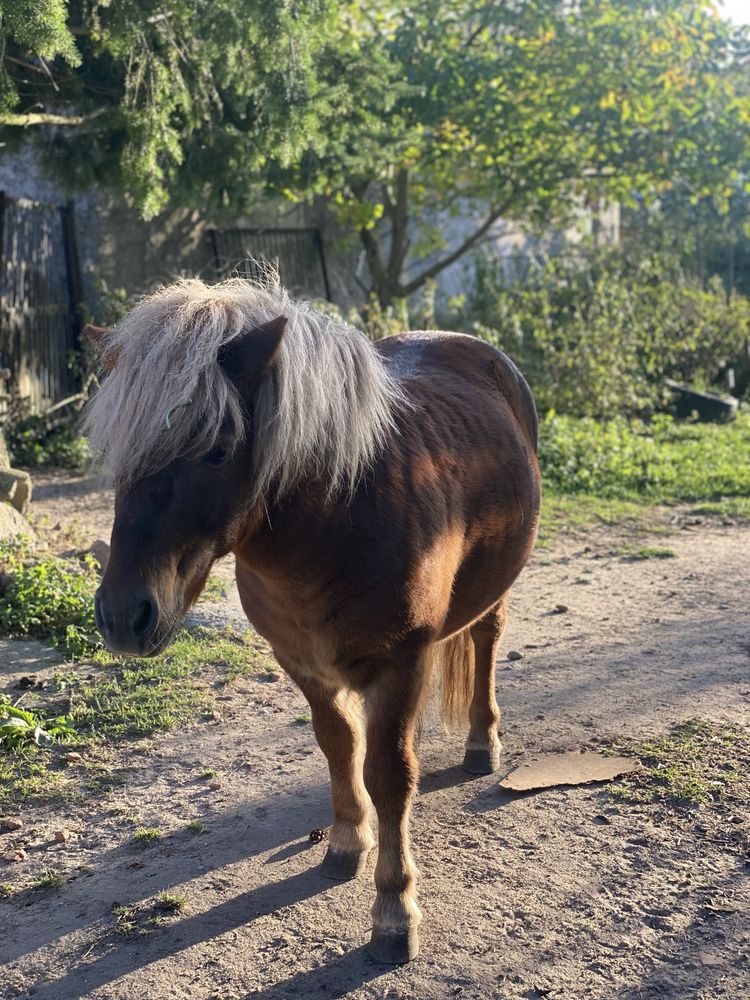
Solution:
(324, 411)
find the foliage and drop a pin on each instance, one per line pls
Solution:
(597, 335)
(659, 461)
(525, 111)
(50, 599)
(144, 94)
(45, 440)
(399, 115)
(20, 729)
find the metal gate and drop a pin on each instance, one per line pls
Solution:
(39, 299)
(297, 255)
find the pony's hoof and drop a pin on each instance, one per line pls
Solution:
(343, 865)
(481, 761)
(394, 947)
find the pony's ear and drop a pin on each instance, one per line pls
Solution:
(96, 336)
(246, 358)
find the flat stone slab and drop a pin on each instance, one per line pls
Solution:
(550, 770)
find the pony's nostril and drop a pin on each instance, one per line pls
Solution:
(144, 618)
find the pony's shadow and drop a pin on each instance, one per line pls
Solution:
(353, 967)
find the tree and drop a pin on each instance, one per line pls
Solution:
(524, 110)
(397, 115)
(129, 92)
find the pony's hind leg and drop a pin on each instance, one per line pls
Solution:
(337, 723)
(391, 772)
(483, 745)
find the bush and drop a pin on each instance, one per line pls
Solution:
(597, 338)
(49, 599)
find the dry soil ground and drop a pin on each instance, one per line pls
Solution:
(566, 893)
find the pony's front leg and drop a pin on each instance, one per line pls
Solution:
(336, 719)
(391, 773)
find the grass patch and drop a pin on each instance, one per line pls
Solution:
(697, 762)
(663, 461)
(171, 902)
(195, 827)
(51, 599)
(214, 590)
(146, 835)
(303, 719)
(633, 554)
(49, 879)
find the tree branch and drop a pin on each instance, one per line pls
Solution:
(45, 118)
(461, 249)
(399, 212)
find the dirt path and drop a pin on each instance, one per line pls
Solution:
(567, 893)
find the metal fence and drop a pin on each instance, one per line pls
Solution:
(39, 299)
(296, 254)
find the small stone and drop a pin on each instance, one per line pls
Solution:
(217, 716)
(515, 655)
(10, 823)
(215, 784)
(62, 836)
(73, 757)
(560, 609)
(13, 856)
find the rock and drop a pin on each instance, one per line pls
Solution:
(10, 823)
(513, 654)
(560, 609)
(15, 488)
(13, 524)
(215, 785)
(4, 456)
(17, 855)
(73, 757)
(100, 551)
(62, 836)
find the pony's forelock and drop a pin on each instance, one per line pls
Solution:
(323, 412)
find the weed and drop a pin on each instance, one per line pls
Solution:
(48, 879)
(172, 902)
(646, 552)
(303, 719)
(21, 730)
(195, 827)
(50, 599)
(146, 835)
(207, 774)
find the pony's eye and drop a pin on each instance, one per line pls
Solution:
(217, 456)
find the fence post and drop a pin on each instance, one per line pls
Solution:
(73, 275)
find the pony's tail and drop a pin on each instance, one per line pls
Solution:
(454, 668)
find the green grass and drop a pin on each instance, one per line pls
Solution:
(696, 763)
(633, 554)
(659, 462)
(214, 590)
(195, 827)
(171, 902)
(146, 835)
(52, 600)
(48, 879)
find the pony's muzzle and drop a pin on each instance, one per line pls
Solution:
(128, 623)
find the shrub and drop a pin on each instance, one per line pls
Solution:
(597, 337)
(50, 599)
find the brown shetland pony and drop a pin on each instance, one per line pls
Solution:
(379, 499)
